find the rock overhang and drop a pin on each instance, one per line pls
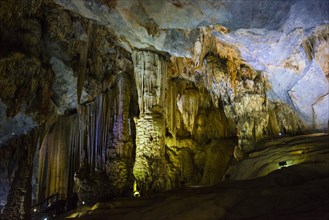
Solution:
(269, 35)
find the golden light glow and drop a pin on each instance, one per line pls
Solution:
(297, 152)
(136, 193)
(74, 215)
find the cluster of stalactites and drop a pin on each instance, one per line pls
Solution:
(232, 84)
(150, 75)
(87, 141)
(59, 155)
(108, 147)
(104, 124)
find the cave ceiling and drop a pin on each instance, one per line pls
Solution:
(271, 36)
(286, 40)
(170, 25)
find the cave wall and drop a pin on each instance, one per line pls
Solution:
(47, 69)
(24, 102)
(92, 151)
(293, 62)
(239, 90)
(199, 137)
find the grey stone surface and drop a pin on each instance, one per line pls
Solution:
(128, 18)
(292, 150)
(14, 127)
(294, 79)
(65, 86)
(307, 91)
(321, 112)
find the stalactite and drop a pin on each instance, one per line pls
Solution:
(94, 142)
(54, 161)
(284, 120)
(188, 105)
(83, 62)
(150, 83)
(171, 104)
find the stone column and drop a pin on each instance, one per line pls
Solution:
(19, 198)
(120, 151)
(150, 71)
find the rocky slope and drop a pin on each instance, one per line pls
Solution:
(298, 191)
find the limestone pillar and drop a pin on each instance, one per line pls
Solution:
(120, 149)
(150, 71)
(19, 198)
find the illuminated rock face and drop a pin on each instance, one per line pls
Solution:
(197, 132)
(120, 145)
(149, 170)
(150, 74)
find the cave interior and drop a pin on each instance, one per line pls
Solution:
(168, 109)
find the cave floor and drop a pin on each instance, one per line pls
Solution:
(299, 191)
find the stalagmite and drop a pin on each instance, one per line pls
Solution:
(150, 74)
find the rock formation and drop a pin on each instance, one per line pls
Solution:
(97, 96)
(150, 74)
